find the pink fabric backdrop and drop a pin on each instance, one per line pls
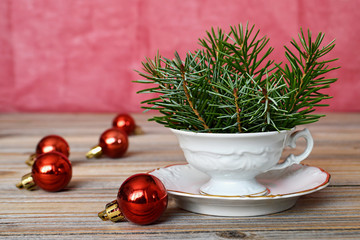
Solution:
(79, 55)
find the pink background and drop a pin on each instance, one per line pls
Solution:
(80, 55)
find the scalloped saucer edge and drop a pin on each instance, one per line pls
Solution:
(285, 186)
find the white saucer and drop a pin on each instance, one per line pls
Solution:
(285, 187)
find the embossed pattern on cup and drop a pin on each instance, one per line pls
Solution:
(234, 160)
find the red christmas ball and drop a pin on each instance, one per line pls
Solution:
(51, 171)
(142, 198)
(52, 143)
(124, 122)
(114, 142)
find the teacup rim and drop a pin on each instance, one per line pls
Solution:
(190, 133)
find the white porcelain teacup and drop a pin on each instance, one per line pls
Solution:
(234, 160)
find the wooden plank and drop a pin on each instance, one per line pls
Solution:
(330, 210)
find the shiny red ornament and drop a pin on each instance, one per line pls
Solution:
(48, 144)
(142, 199)
(51, 171)
(53, 143)
(112, 143)
(124, 122)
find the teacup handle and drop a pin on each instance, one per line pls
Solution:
(291, 142)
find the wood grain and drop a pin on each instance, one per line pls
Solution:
(332, 213)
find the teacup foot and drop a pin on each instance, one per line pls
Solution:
(263, 193)
(243, 188)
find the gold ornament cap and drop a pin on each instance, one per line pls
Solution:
(27, 182)
(94, 152)
(138, 130)
(31, 160)
(112, 212)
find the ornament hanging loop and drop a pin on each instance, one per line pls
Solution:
(103, 215)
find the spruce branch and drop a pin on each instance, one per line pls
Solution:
(189, 100)
(230, 85)
(305, 75)
(236, 99)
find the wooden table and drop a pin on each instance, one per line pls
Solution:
(332, 213)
